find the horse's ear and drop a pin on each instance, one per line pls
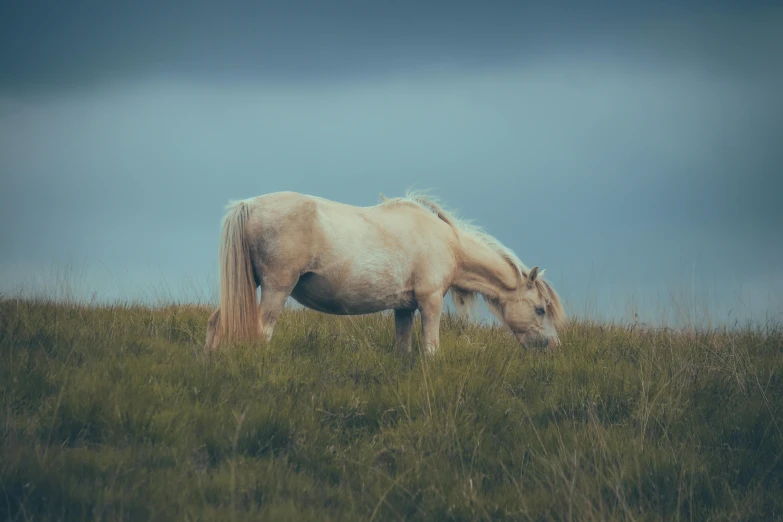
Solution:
(533, 274)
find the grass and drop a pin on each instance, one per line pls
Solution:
(115, 413)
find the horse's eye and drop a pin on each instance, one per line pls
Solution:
(540, 311)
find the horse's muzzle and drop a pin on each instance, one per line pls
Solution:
(538, 341)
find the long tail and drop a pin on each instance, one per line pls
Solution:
(238, 304)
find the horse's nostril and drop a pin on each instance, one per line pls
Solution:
(545, 342)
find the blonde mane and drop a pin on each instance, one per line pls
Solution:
(465, 301)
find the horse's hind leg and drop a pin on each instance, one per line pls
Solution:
(403, 329)
(272, 303)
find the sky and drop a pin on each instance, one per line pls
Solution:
(634, 151)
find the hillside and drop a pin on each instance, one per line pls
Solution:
(115, 413)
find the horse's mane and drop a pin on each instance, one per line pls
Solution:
(466, 300)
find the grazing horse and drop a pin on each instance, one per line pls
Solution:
(403, 254)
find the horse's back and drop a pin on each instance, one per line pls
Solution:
(394, 235)
(400, 220)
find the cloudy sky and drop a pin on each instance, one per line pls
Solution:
(633, 152)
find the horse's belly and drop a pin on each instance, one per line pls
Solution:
(318, 293)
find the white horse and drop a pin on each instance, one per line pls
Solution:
(404, 255)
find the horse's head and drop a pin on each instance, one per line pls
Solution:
(534, 312)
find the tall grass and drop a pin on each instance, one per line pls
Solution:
(114, 412)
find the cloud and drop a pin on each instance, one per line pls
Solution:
(52, 46)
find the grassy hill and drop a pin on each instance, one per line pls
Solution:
(115, 413)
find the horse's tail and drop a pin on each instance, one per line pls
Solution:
(238, 305)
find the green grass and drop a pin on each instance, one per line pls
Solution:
(115, 413)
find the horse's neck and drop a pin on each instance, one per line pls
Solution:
(483, 270)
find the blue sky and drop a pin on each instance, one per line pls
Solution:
(633, 152)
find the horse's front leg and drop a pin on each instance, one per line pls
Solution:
(431, 308)
(403, 329)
